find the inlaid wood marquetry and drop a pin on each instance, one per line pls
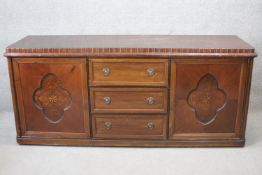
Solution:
(207, 99)
(52, 98)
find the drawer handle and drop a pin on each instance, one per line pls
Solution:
(108, 125)
(106, 71)
(150, 100)
(150, 125)
(151, 72)
(107, 100)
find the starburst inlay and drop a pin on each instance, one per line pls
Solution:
(207, 99)
(52, 98)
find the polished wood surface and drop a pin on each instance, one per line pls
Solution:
(134, 142)
(150, 91)
(129, 126)
(126, 71)
(220, 99)
(132, 41)
(130, 45)
(128, 100)
(38, 118)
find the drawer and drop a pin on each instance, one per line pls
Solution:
(152, 72)
(129, 126)
(128, 100)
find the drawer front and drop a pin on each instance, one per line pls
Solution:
(128, 72)
(128, 100)
(129, 126)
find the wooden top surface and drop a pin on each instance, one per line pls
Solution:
(130, 44)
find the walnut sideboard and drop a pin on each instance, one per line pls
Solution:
(152, 91)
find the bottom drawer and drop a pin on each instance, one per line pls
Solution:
(129, 126)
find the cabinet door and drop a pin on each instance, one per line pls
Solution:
(52, 97)
(207, 98)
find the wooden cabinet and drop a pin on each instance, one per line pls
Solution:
(149, 91)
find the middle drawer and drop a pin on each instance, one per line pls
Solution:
(128, 100)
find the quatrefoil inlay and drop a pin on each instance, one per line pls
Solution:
(52, 98)
(207, 99)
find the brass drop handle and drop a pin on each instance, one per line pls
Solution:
(150, 125)
(106, 71)
(150, 100)
(108, 125)
(150, 72)
(107, 100)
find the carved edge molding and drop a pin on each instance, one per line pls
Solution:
(51, 98)
(127, 50)
(207, 99)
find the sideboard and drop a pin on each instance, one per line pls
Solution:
(132, 90)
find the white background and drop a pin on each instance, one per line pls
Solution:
(215, 17)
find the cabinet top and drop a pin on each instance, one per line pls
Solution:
(130, 45)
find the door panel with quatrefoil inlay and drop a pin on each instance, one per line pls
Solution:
(52, 97)
(206, 98)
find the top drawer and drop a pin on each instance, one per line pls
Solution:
(144, 72)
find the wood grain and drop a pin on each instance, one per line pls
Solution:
(128, 100)
(130, 45)
(128, 72)
(72, 73)
(129, 126)
(146, 91)
(185, 77)
(134, 142)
